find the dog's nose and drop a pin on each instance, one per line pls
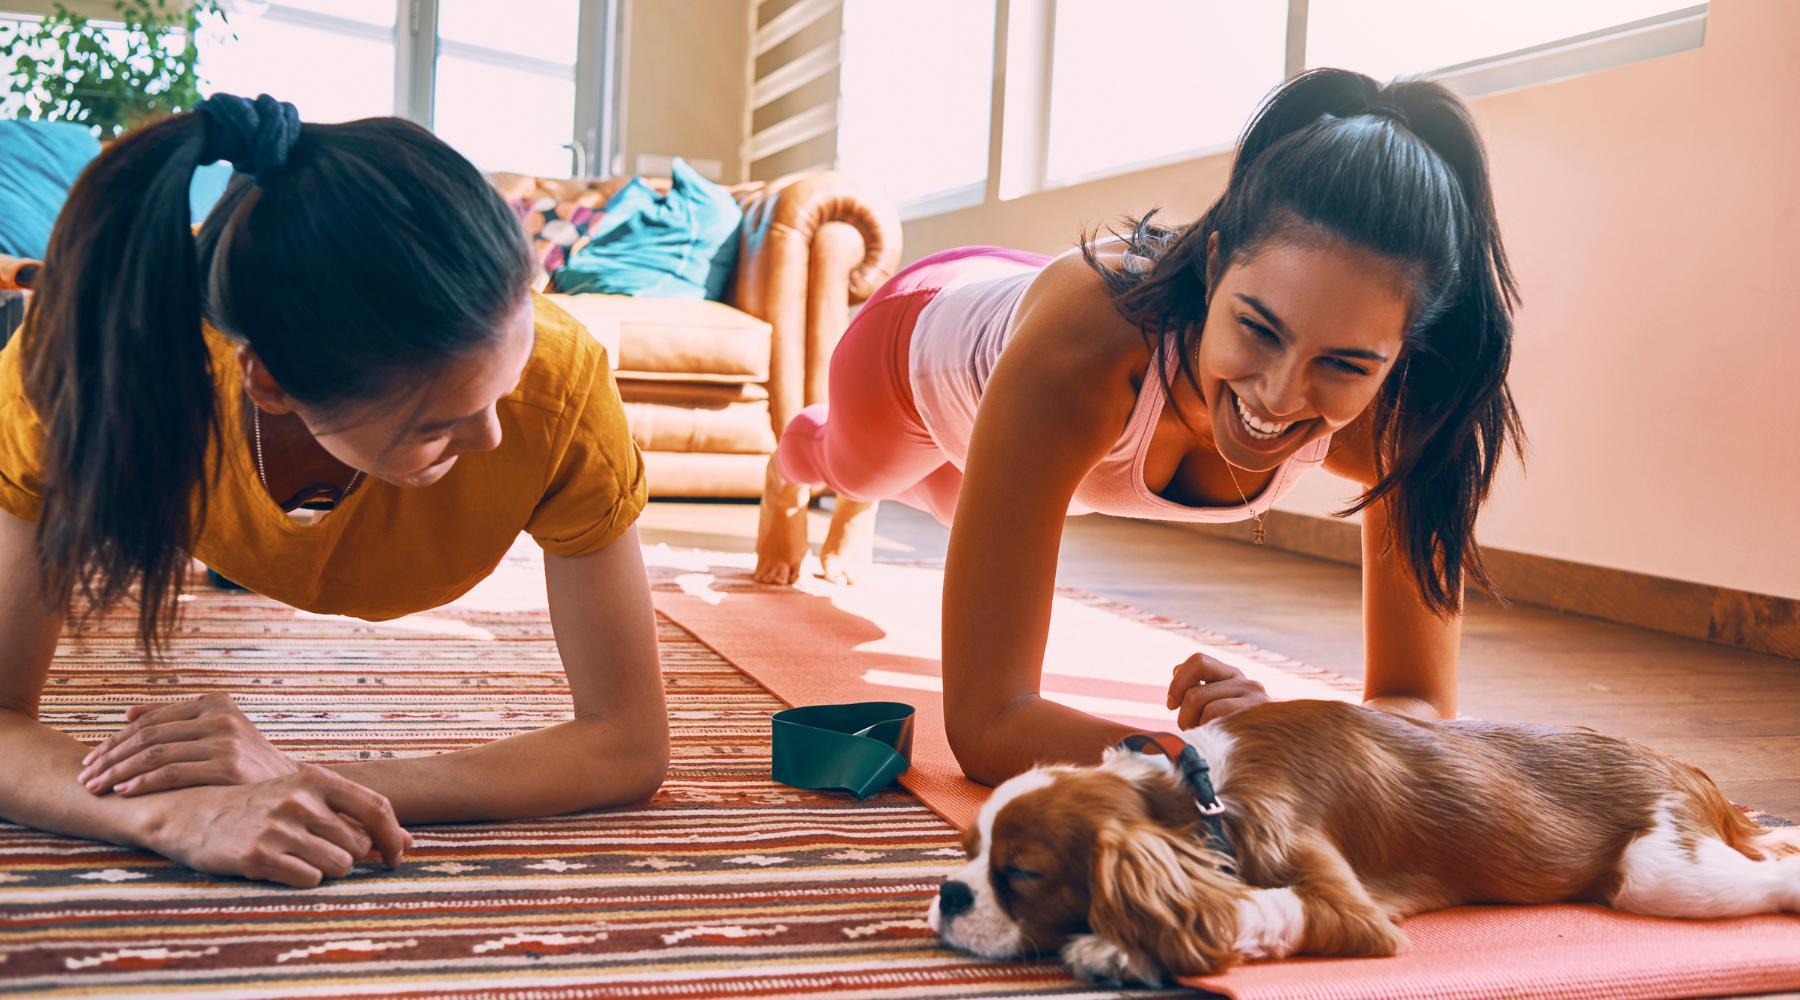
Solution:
(954, 898)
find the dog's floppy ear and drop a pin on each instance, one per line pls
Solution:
(1160, 896)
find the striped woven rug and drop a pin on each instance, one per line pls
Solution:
(725, 885)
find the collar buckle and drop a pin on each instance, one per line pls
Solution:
(1194, 773)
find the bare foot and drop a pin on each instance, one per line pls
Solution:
(850, 543)
(781, 529)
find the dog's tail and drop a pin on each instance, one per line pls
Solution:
(1719, 815)
(1778, 841)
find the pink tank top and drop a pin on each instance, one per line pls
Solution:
(956, 342)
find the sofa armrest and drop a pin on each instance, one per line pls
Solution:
(18, 273)
(811, 246)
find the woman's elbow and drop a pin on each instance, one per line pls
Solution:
(974, 742)
(615, 780)
(643, 785)
(646, 776)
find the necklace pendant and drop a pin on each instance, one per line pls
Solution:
(1258, 532)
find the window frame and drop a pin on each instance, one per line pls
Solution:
(1024, 38)
(599, 68)
(598, 76)
(835, 58)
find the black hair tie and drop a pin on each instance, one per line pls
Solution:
(255, 136)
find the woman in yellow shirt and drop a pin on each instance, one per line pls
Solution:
(350, 329)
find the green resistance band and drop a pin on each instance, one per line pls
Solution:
(858, 748)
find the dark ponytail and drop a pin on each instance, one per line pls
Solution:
(1398, 170)
(121, 378)
(355, 260)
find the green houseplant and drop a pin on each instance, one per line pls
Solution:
(110, 75)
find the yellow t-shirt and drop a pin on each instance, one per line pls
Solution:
(566, 471)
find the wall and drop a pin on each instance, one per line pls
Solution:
(685, 81)
(822, 31)
(1653, 216)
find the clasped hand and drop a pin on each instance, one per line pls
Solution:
(271, 817)
(201, 741)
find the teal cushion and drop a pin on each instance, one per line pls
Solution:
(682, 245)
(39, 161)
(207, 187)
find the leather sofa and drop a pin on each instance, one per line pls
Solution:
(16, 275)
(709, 385)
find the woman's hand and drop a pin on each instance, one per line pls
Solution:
(1205, 689)
(202, 741)
(297, 829)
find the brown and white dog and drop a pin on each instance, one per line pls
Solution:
(1343, 820)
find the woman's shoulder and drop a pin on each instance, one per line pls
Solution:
(566, 360)
(12, 376)
(1069, 311)
(21, 437)
(1351, 454)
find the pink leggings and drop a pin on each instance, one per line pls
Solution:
(869, 443)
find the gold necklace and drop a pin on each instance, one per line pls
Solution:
(1258, 530)
(263, 474)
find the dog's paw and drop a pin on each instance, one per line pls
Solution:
(1097, 960)
(1381, 938)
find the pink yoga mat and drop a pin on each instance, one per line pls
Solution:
(877, 642)
(1562, 952)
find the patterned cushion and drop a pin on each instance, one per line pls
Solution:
(557, 228)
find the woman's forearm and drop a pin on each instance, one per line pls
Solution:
(581, 764)
(1409, 653)
(1418, 708)
(1029, 732)
(40, 789)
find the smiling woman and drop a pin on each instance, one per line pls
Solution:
(1346, 303)
(349, 336)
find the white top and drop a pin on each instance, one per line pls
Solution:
(957, 340)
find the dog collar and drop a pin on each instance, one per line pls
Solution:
(1196, 774)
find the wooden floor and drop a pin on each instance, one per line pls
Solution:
(1736, 714)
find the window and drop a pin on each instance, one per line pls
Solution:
(915, 98)
(1389, 38)
(1140, 82)
(1098, 87)
(22, 31)
(525, 50)
(279, 49)
(520, 85)
(11, 104)
(501, 80)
